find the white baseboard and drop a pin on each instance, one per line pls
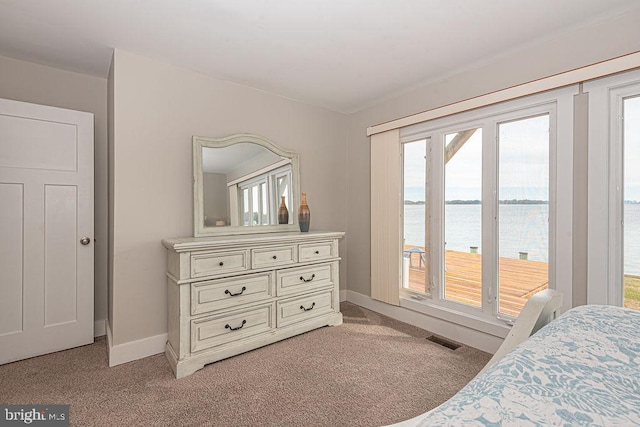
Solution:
(343, 295)
(99, 328)
(109, 337)
(134, 350)
(462, 334)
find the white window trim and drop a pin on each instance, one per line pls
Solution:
(275, 203)
(427, 226)
(605, 181)
(480, 323)
(249, 185)
(558, 102)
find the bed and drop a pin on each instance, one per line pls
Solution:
(581, 369)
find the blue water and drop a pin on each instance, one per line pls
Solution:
(523, 228)
(632, 239)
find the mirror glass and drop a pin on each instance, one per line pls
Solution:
(240, 184)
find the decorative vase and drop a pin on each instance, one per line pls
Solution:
(304, 214)
(283, 212)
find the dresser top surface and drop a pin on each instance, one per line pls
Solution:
(184, 244)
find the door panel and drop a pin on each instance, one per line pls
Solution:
(26, 143)
(46, 207)
(11, 197)
(60, 249)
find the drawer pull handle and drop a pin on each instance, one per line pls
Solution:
(227, 326)
(244, 288)
(275, 257)
(221, 263)
(317, 252)
(308, 309)
(307, 280)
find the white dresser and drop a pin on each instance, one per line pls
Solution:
(231, 294)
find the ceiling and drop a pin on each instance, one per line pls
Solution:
(343, 55)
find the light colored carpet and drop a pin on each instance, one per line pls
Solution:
(370, 371)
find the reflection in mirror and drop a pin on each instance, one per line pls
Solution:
(239, 183)
(243, 185)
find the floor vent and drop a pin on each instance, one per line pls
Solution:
(443, 342)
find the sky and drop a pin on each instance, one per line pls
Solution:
(414, 170)
(523, 165)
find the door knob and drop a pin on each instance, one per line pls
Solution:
(85, 241)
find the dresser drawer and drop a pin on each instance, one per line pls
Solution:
(301, 279)
(215, 263)
(273, 257)
(232, 291)
(296, 310)
(231, 326)
(317, 251)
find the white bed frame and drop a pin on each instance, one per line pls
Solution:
(539, 310)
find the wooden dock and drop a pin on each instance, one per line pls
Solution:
(519, 279)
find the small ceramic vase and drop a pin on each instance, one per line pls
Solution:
(283, 212)
(304, 214)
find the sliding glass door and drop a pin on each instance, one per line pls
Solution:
(523, 211)
(463, 217)
(415, 271)
(614, 190)
(479, 209)
(631, 201)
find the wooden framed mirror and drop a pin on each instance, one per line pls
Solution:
(239, 184)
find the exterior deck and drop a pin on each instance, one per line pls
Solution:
(519, 279)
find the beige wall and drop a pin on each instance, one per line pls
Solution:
(574, 49)
(28, 82)
(157, 109)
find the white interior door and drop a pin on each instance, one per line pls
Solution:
(46, 210)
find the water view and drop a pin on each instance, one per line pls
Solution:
(523, 227)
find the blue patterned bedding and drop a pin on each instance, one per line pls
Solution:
(581, 369)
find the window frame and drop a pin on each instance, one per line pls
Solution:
(274, 176)
(605, 276)
(270, 180)
(557, 103)
(427, 229)
(249, 184)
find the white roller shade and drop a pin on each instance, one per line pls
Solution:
(386, 211)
